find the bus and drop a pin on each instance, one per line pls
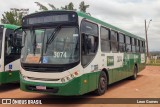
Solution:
(71, 53)
(9, 54)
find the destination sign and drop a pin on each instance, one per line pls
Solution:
(47, 19)
(50, 17)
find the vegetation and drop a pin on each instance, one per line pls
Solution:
(70, 6)
(15, 16)
(12, 17)
(154, 62)
(83, 7)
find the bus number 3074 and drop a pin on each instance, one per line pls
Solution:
(59, 55)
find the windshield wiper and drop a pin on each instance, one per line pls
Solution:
(52, 37)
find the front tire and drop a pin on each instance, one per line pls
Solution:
(102, 84)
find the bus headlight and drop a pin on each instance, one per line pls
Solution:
(72, 76)
(68, 78)
(63, 80)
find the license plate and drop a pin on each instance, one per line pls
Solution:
(41, 87)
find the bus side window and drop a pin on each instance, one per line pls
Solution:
(121, 43)
(128, 44)
(133, 45)
(141, 46)
(89, 39)
(105, 40)
(114, 41)
(137, 46)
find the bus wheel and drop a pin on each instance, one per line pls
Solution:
(102, 84)
(135, 71)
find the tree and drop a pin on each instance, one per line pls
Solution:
(70, 6)
(44, 8)
(41, 6)
(53, 7)
(12, 17)
(83, 7)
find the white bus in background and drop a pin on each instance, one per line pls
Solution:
(10, 50)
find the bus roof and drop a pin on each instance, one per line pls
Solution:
(10, 26)
(108, 25)
(102, 23)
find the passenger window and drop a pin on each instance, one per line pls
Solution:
(114, 42)
(133, 45)
(89, 41)
(105, 40)
(128, 44)
(137, 46)
(121, 43)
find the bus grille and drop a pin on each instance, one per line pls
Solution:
(43, 69)
(43, 79)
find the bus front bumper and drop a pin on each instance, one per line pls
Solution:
(69, 88)
(77, 86)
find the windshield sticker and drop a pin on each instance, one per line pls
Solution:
(75, 35)
(10, 66)
(32, 58)
(39, 45)
(45, 60)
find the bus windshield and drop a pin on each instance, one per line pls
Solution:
(59, 45)
(1, 36)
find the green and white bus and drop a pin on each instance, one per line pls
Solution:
(9, 53)
(72, 53)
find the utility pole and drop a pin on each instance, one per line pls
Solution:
(146, 32)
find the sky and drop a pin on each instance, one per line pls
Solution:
(128, 15)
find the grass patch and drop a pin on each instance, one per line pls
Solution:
(154, 62)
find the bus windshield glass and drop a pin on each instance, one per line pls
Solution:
(59, 45)
(1, 36)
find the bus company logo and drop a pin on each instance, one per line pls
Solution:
(110, 60)
(6, 101)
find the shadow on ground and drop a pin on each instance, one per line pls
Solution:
(89, 98)
(9, 87)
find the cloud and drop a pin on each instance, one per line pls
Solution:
(126, 14)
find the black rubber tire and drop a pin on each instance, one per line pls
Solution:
(102, 84)
(135, 71)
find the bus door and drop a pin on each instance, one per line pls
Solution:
(12, 53)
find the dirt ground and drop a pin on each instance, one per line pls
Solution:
(147, 85)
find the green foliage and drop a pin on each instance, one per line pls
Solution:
(70, 6)
(12, 17)
(83, 7)
(52, 6)
(154, 62)
(41, 6)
